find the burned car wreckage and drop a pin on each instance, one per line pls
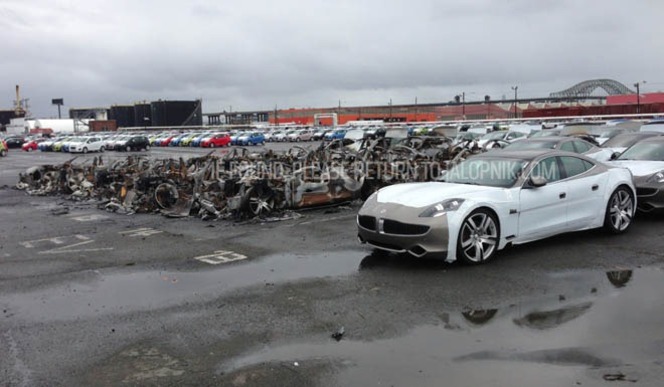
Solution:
(241, 184)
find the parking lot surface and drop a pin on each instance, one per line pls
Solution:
(89, 297)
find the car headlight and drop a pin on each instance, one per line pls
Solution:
(442, 208)
(656, 178)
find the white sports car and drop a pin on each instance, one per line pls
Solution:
(495, 199)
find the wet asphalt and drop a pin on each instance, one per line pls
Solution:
(89, 297)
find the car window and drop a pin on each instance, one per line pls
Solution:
(581, 146)
(575, 166)
(548, 169)
(568, 147)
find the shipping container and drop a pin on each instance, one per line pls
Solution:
(103, 126)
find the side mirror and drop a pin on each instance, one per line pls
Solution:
(614, 156)
(537, 181)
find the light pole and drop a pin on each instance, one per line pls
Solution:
(516, 98)
(276, 116)
(638, 96)
(461, 98)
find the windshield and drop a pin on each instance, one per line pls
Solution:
(622, 141)
(651, 151)
(487, 172)
(493, 136)
(545, 133)
(523, 145)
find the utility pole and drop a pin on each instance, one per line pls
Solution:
(516, 98)
(276, 117)
(638, 96)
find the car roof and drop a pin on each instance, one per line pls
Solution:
(550, 138)
(527, 154)
(641, 134)
(656, 139)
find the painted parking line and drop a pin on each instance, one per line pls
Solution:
(141, 232)
(325, 220)
(88, 217)
(76, 243)
(221, 256)
(55, 241)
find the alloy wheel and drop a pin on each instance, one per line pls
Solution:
(478, 237)
(621, 210)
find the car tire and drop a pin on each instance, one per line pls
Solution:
(257, 201)
(85, 150)
(128, 149)
(211, 145)
(101, 149)
(619, 211)
(147, 148)
(3, 153)
(478, 237)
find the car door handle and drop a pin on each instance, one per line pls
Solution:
(595, 187)
(562, 195)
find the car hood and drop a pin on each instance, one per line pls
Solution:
(426, 194)
(601, 154)
(640, 167)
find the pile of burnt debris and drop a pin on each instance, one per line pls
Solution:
(241, 184)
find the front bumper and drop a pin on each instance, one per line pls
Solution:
(649, 196)
(399, 229)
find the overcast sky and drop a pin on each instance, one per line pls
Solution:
(255, 54)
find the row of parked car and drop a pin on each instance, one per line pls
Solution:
(89, 143)
(207, 139)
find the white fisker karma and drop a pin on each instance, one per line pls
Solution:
(492, 200)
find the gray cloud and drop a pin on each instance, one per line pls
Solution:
(255, 54)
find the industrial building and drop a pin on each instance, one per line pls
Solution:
(161, 113)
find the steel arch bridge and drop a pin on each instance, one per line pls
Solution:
(586, 88)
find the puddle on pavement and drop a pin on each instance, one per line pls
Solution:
(617, 328)
(125, 292)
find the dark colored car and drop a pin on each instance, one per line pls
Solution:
(14, 142)
(645, 160)
(136, 143)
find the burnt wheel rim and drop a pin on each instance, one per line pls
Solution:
(621, 210)
(479, 237)
(260, 204)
